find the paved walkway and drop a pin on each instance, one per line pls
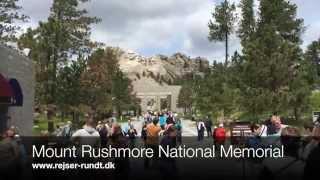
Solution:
(188, 128)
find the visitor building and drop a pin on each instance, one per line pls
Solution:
(17, 81)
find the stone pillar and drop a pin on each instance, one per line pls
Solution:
(144, 104)
(169, 101)
(158, 103)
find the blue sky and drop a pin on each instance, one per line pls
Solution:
(152, 27)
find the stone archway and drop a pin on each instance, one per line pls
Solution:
(151, 103)
(165, 103)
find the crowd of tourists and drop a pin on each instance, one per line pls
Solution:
(302, 148)
(162, 128)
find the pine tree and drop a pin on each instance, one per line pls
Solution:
(301, 88)
(185, 98)
(9, 13)
(222, 24)
(313, 56)
(122, 93)
(273, 69)
(214, 94)
(70, 89)
(248, 22)
(65, 35)
(283, 15)
(97, 80)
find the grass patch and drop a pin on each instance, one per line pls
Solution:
(40, 124)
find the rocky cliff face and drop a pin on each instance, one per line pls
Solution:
(161, 68)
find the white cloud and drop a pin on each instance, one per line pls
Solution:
(166, 26)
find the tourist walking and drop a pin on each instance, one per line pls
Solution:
(103, 132)
(153, 131)
(162, 120)
(201, 129)
(208, 124)
(132, 133)
(178, 127)
(126, 127)
(144, 132)
(119, 141)
(272, 130)
(219, 135)
(99, 126)
(88, 135)
(108, 125)
(168, 167)
(170, 119)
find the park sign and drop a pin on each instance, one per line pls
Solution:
(240, 131)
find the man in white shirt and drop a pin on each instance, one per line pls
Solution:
(272, 136)
(88, 135)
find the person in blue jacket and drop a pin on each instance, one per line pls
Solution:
(162, 120)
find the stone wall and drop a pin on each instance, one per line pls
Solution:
(15, 65)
